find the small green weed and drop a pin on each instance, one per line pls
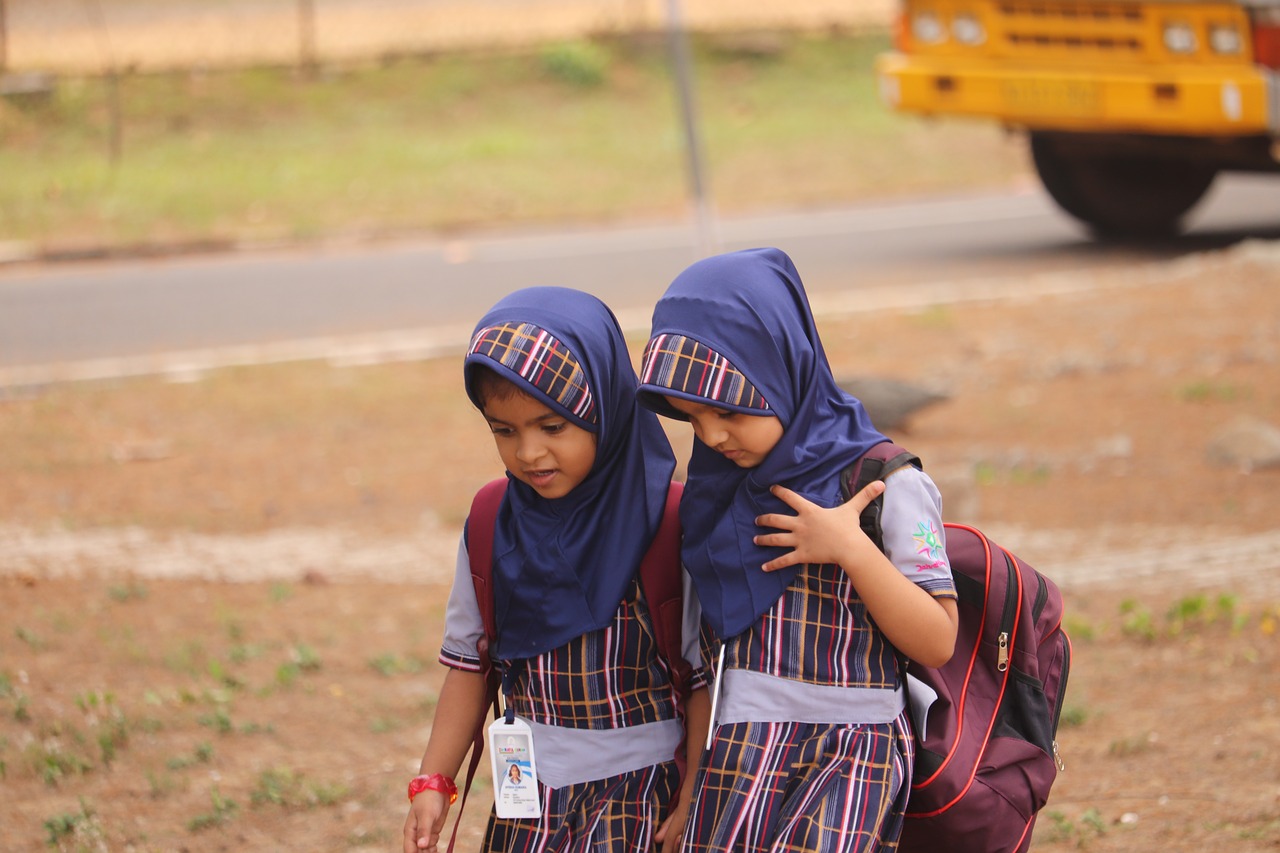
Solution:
(287, 673)
(1030, 475)
(219, 719)
(1209, 391)
(1136, 620)
(376, 837)
(202, 754)
(984, 473)
(1073, 716)
(22, 708)
(245, 652)
(125, 592)
(82, 824)
(185, 659)
(1088, 826)
(935, 317)
(1199, 611)
(222, 812)
(384, 725)
(29, 637)
(1079, 629)
(287, 788)
(224, 676)
(390, 664)
(53, 761)
(113, 734)
(1130, 746)
(579, 63)
(160, 785)
(305, 657)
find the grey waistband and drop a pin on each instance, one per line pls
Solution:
(568, 756)
(754, 697)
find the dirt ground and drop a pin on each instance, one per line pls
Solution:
(219, 634)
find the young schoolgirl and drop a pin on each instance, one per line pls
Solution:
(588, 473)
(806, 617)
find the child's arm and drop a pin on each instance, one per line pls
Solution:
(460, 709)
(920, 626)
(697, 716)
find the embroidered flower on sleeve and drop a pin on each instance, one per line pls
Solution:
(929, 543)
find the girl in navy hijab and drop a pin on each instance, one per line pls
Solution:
(811, 749)
(587, 478)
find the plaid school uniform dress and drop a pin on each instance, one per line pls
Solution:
(606, 679)
(803, 786)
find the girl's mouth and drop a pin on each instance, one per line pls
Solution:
(541, 479)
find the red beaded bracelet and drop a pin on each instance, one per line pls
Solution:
(433, 782)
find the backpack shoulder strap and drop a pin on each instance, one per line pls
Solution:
(481, 522)
(876, 464)
(663, 591)
(663, 588)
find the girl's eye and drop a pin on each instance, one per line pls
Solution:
(501, 431)
(554, 429)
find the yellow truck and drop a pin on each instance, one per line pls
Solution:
(1131, 107)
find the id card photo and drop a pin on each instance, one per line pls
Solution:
(515, 781)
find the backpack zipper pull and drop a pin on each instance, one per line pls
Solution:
(1002, 656)
(1057, 759)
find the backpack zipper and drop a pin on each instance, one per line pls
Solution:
(1013, 591)
(1062, 697)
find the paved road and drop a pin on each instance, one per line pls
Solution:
(98, 319)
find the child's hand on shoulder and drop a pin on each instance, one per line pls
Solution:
(816, 534)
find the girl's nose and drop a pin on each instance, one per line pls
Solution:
(529, 450)
(712, 435)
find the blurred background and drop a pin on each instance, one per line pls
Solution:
(243, 241)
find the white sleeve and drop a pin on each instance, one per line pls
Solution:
(691, 649)
(463, 624)
(914, 537)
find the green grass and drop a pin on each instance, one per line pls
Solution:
(579, 132)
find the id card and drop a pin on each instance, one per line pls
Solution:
(515, 776)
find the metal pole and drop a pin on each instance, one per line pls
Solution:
(708, 241)
(307, 36)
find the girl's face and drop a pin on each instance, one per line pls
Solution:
(539, 447)
(745, 440)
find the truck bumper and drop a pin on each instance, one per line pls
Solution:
(1199, 101)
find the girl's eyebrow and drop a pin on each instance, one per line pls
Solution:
(536, 420)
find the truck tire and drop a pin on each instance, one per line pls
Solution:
(1121, 196)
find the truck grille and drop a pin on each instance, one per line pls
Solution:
(1072, 29)
(1067, 31)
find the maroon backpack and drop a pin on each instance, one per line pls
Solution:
(988, 755)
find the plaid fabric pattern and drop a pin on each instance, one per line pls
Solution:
(817, 632)
(683, 364)
(605, 679)
(542, 360)
(802, 788)
(615, 815)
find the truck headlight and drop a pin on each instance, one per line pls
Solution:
(1225, 39)
(967, 29)
(926, 27)
(1179, 37)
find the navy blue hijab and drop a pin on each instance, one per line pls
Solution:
(561, 567)
(751, 308)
